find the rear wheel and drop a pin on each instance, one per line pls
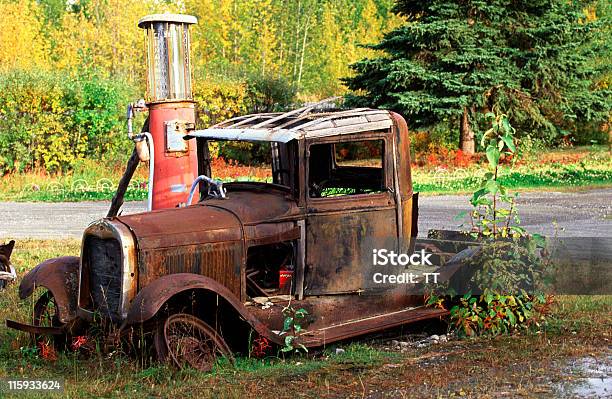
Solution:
(187, 341)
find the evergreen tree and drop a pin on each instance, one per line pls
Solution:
(453, 61)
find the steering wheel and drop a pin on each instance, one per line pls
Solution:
(214, 188)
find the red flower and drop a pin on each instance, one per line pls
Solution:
(260, 347)
(47, 351)
(78, 342)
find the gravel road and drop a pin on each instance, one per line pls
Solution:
(576, 214)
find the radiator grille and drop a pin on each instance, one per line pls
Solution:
(105, 277)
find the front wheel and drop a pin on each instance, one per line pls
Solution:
(46, 315)
(187, 341)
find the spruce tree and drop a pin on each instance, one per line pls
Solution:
(453, 61)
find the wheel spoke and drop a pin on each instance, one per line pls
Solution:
(192, 342)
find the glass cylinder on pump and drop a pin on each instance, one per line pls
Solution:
(171, 107)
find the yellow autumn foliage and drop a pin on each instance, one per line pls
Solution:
(106, 39)
(68, 68)
(22, 44)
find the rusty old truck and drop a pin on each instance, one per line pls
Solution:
(208, 277)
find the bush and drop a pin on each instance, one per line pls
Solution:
(493, 313)
(509, 261)
(269, 94)
(220, 100)
(97, 109)
(49, 120)
(509, 278)
(32, 119)
(217, 101)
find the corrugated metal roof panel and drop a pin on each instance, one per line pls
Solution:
(246, 134)
(297, 124)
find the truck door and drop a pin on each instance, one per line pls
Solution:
(349, 201)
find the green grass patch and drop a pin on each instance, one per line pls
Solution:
(594, 172)
(89, 181)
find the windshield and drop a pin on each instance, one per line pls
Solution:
(245, 161)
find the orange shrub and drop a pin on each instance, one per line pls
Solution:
(223, 169)
(437, 156)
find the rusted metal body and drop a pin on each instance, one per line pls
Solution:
(60, 277)
(209, 257)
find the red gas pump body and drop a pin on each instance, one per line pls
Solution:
(175, 168)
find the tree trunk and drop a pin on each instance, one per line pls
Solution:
(297, 40)
(608, 126)
(466, 135)
(299, 79)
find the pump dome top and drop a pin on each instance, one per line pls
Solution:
(176, 18)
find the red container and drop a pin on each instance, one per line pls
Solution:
(175, 171)
(284, 281)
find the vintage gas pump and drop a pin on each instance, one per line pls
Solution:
(169, 100)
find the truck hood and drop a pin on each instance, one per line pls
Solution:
(211, 238)
(244, 214)
(257, 203)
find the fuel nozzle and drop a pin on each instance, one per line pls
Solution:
(138, 106)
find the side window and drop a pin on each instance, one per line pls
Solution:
(346, 168)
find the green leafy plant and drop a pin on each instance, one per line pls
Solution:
(493, 313)
(29, 352)
(494, 213)
(510, 265)
(509, 261)
(292, 328)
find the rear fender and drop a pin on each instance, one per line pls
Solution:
(60, 277)
(152, 298)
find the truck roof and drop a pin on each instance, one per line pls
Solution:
(307, 122)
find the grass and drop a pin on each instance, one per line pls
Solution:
(530, 364)
(90, 181)
(553, 170)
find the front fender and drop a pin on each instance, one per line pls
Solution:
(60, 277)
(151, 299)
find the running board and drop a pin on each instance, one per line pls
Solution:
(368, 325)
